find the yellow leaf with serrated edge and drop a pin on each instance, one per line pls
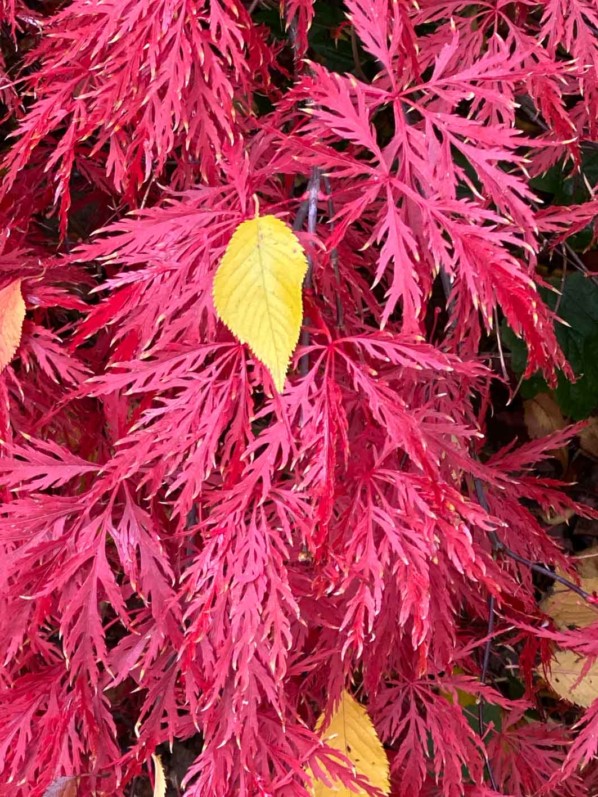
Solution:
(159, 777)
(12, 314)
(352, 732)
(568, 609)
(587, 562)
(566, 668)
(257, 291)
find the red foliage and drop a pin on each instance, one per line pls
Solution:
(188, 556)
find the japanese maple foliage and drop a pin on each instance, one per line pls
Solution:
(189, 557)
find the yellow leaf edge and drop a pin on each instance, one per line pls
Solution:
(159, 777)
(348, 707)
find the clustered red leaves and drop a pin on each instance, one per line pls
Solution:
(186, 553)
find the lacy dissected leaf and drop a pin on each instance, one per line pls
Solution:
(257, 291)
(430, 733)
(350, 730)
(150, 68)
(578, 338)
(526, 756)
(39, 724)
(41, 464)
(299, 14)
(584, 746)
(193, 564)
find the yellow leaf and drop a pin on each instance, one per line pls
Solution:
(12, 314)
(257, 291)
(568, 609)
(566, 667)
(159, 777)
(587, 562)
(564, 606)
(352, 732)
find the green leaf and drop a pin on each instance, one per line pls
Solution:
(491, 715)
(332, 50)
(566, 185)
(578, 338)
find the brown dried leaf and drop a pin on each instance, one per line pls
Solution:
(65, 786)
(543, 416)
(588, 438)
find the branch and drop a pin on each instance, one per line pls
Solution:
(309, 208)
(334, 252)
(479, 488)
(499, 547)
(313, 189)
(483, 676)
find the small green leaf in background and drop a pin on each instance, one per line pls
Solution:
(491, 716)
(578, 307)
(564, 185)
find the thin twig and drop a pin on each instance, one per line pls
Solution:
(356, 60)
(546, 571)
(334, 252)
(301, 215)
(500, 350)
(488, 647)
(562, 290)
(499, 547)
(567, 250)
(313, 190)
(309, 208)
(483, 676)
(481, 494)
